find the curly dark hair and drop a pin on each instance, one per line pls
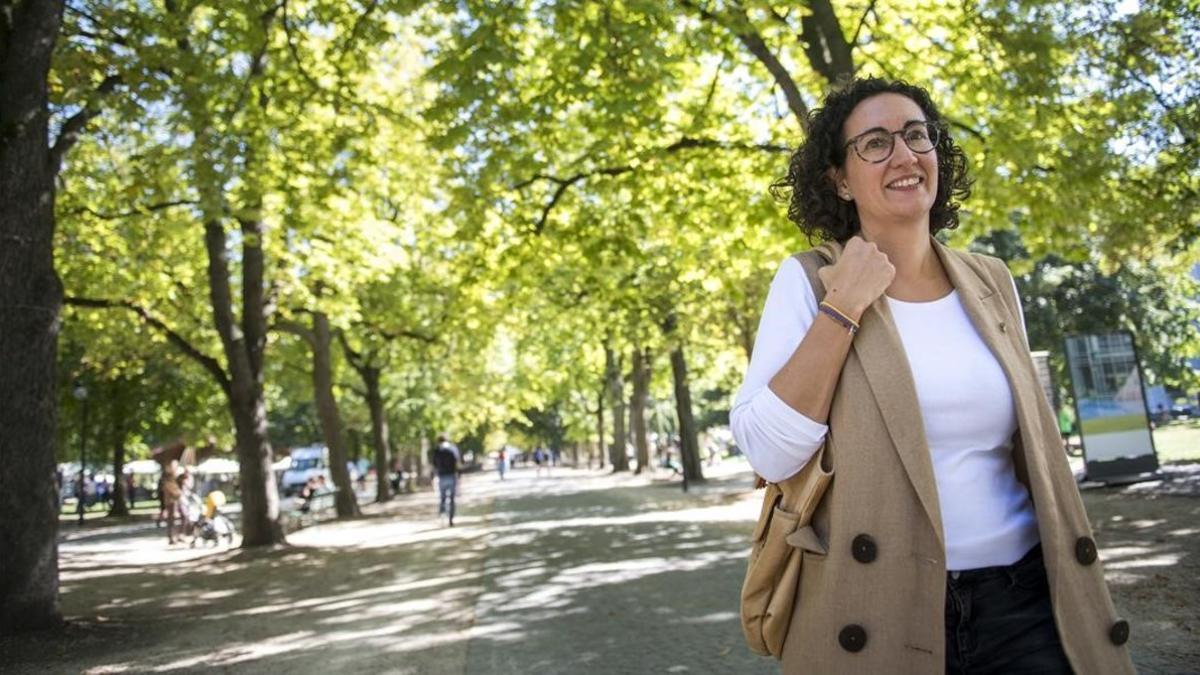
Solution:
(813, 203)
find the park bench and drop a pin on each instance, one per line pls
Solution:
(321, 504)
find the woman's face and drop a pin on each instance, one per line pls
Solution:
(900, 189)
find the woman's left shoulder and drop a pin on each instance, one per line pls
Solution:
(987, 262)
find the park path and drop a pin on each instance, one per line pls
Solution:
(577, 572)
(615, 576)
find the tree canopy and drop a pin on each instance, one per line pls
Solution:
(483, 197)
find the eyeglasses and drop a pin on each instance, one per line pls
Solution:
(876, 145)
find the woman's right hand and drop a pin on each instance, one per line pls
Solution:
(858, 278)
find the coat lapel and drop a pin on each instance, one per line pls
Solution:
(1000, 330)
(983, 304)
(879, 349)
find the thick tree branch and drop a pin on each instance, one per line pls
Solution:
(256, 63)
(136, 211)
(68, 136)
(967, 128)
(742, 29)
(685, 143)
(296, 328)
(407, 334)
(354, 358)
(862, 21)
(824, 43)
(209, 363)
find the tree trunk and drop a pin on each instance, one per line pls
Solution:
(118, 393)
(689, 446)
(256, 480)
(120, 504)
(418, 458)
(370, 374)
(330, 416)
(637, 407)
(379, 433)
(30, 299)
(616, 395)
(244, 354)
(599, 430)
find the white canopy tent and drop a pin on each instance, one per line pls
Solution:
(140, 467)
(216, 465)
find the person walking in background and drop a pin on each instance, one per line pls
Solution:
(130, 491)
(502, 462)
(397, 475)
(170, 495)
(952, 537)
(542, 460)
(445, 461)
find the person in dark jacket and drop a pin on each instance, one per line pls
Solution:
(445, 460)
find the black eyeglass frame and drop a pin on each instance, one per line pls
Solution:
(935, 132)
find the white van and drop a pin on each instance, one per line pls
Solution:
(306, 463)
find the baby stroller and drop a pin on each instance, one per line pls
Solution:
(212, 524)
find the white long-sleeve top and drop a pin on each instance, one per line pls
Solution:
(965, 403)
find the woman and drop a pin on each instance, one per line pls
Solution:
(953, 536)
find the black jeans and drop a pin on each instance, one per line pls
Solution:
(999, 620)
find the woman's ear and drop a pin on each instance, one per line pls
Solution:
(837, 178)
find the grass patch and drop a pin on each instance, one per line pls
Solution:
(1178, 441)
(1108, 425)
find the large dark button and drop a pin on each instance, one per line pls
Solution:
(1085, 551)
(864, 549)
(1119, 633)
(853, 638)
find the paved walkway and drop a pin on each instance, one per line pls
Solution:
(579, 572)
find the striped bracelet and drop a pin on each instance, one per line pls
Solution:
(839, 316)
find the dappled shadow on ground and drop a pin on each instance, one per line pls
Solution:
(640, 579)
(597, 574)
(358, 607)
(584, 569)
(1150, 545)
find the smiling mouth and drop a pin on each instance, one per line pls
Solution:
(906, 183)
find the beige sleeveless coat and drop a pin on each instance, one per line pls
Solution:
(887, 615)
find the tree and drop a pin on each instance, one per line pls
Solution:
(216, 104)
(637, 406)
(616, 396)
(30, 299)
(319, 340)
(1155, 302)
